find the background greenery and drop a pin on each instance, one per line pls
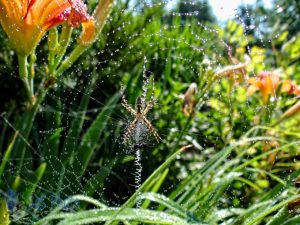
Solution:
(235, 168)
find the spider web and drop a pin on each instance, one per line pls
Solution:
(112, 67)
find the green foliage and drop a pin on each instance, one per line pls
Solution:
(199, 10)
(238, 164)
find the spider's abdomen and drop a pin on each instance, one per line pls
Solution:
(139, 105)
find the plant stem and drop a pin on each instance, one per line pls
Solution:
(69, 61)
(197, 106)
(25, 128)
(23, 72)
(62, 45)
(32, 71)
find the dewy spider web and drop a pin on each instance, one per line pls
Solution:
(179, 59)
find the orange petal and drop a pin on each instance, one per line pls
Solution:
(88, 32)
(286, 86)
(78, 13)
(252, 80)
(251, 90)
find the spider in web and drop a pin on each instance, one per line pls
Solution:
(139, 113)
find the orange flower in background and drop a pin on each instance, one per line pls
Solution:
(26, 21)
(268, 82)
(290, 87)
(265, 82)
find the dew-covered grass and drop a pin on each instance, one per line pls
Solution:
(167, 116)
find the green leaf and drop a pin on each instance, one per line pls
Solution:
(292, 221)
(280, 217)
(4, 213)
(156, 186)
(7, 155)
(107, 214)
(30, 188)
(269, 209)
(173, 206)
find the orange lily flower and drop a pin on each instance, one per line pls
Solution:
(265, 82)
(26, 21)
(268, 82)
(290, 87)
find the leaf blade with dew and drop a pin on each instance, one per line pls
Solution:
(186, 189)
(279, 187)
(156, 187)
(250, 211)
(279, 217)
(248, 162)
(270, 209)
(273, 195)
(191, 181)
(212, 198)
(171, 205)
(292, 221)
(274, 177)
(199, 199)
(109, 214)
(74, 198)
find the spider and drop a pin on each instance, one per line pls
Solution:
(139, 114)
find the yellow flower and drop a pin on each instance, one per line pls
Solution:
(26, 21)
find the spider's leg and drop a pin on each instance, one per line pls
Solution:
(148, 107)
(125, 104)
(151, 128)
(130, 129)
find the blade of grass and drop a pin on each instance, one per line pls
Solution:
(270, 210)
(96, 182)
(156, 187)
(248, 162)
(280, 217)
(6, 156)
(173, 206)
(279, 187)
(100, 215)
(27, 194)
(292, 221)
